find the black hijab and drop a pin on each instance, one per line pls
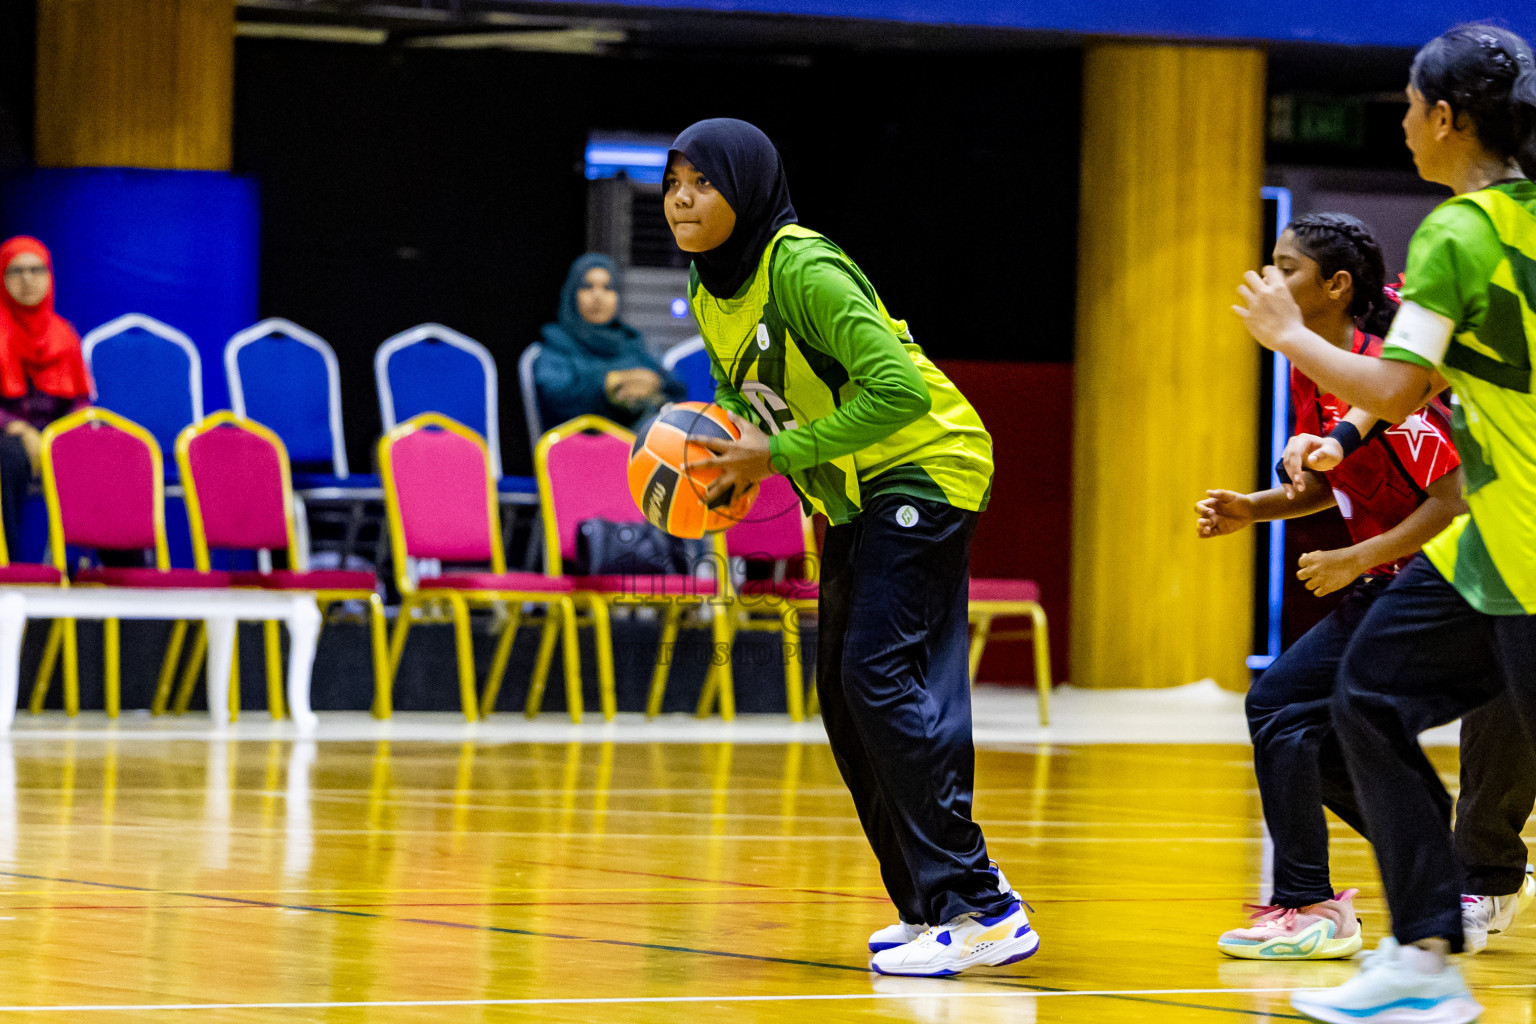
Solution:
(742, 163)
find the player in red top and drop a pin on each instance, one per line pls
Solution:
(1398, 490)
(1388, 479)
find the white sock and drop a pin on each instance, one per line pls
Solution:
(1425, 961)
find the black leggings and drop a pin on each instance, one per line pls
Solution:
(1301, 769)
(1423, 657)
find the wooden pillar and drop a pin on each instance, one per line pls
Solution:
(135, 83)
(1166, 379)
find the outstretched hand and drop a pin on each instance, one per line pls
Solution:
(742, 462)
(1222, 512)
(1267, 309)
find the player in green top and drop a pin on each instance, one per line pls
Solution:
(874, 436)
(1464, 611)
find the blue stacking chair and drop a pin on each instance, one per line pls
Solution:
(689, 363)
(148, 372)
(432, 368)
(287, 379)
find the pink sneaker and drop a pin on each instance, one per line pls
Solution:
(1323, 931)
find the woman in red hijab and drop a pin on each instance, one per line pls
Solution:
(42, 371)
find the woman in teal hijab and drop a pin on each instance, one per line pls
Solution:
(593, 362)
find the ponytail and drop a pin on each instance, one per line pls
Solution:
(1378, 318)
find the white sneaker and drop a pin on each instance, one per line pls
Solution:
(1389, 990)
(893, 935)
(1512, 906)
(1482, 916)
(967, 941)
(901, 933)
(1476, 915)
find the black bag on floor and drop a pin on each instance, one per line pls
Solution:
(607, 548)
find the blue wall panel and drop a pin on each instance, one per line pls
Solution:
(180, 246)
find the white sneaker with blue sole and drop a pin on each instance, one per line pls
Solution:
(1390, 990)
(968, 941)
(901, 933)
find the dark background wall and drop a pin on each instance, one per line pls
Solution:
(401, 186)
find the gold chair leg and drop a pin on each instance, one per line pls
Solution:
(402, 630)
(233, 698)
(602, 635)
(45, 667)
(711, 691)
(272, 648)
(191, 671)
(794, 677)
(541, 661)
(112, 666)
(724, 634)
(71, 669)
(666, 651)
(464, 649)
(570, 655)
(168, 668)
(979, 641)
(499, 661)
(383, 671)
(1042, 641)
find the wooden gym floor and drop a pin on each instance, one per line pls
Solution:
(151, 877)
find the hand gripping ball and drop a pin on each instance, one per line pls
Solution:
(665, 480)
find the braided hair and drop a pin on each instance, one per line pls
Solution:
(1337, 241)
(1489, 74)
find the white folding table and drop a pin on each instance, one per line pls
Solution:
(219, 609)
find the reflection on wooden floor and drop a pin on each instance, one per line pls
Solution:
(390, 882)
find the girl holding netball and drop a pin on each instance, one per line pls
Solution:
(1459, 621)
(1400, 489)
(829, 390)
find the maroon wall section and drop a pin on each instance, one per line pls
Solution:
(1027, 529)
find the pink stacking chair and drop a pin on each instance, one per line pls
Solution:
(103, 480)
(239, 494)
(582, 468)
(1002, 599)
(25, 573)
(776, 534)
(440, 495)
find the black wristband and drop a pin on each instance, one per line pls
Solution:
(1348, 436)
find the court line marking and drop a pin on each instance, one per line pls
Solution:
(492, 903)
(712, 881)
(1024, 987)
(620, 1000)
(280, 829)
